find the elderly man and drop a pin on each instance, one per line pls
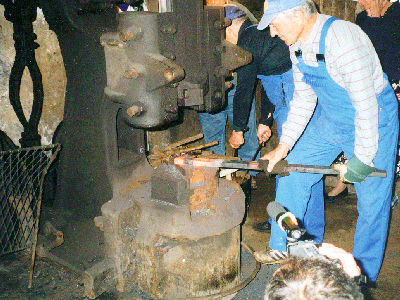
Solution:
(271, 64)
(335, 62)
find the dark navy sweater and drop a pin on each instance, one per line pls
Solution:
(384, 33)
(270, 57)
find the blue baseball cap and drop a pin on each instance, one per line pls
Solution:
(232, 12)
(272, 8)
(123, 6)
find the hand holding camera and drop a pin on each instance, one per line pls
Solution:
(308, 248)
(346, 259)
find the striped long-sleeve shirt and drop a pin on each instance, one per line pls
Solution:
(354, 65)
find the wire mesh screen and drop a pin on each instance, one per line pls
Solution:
(22, 174)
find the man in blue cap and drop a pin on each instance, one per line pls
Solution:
(335, 61)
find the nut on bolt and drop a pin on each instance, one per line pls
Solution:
(131, 34)
(131, 74)
(218, 24)
(218, 95)
(169, 75)
(126, 36)
(134, 111)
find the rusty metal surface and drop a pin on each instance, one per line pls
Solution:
(98, 278)
(170, 185)
(169, 252)
(233, 56)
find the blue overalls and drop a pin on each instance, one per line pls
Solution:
(332, 132)
(279, 89)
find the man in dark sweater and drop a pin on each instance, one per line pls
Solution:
(381, 22)
(271, 64)
(214, 125)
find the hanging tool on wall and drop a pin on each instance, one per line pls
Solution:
(22, 13)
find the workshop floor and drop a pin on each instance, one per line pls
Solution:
(51, 281)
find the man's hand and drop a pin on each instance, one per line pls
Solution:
(353, 170)
(236, 140)
(342, 169)
(276, 155)
(350, 266)
(263, 133)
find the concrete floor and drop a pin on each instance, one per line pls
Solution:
(52, 281)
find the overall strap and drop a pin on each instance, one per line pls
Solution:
(324, 32)
(253, 25)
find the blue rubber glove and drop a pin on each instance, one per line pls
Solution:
(356, 170)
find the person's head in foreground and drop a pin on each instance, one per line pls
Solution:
(311, 279)
(291, 20)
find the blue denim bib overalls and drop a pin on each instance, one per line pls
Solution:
(279, 89)
(330, 133)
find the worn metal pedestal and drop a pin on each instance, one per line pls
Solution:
(168, 250)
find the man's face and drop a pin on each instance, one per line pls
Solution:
(288, 29)
(366, 3)
(232, 31)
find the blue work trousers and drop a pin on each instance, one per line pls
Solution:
(214, 129)
(279, 89)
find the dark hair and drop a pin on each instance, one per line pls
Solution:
(311, 279)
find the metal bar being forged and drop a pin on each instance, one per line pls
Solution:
(281, 168)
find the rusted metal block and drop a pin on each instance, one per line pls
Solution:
(204, 183)
(170, 185)
(166, 251)
(119, 219)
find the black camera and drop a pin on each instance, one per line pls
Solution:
(305, 249)
(295, 246)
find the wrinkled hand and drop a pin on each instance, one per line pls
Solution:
(347, 260)
(353, 170)
(342, 169)
(263, 133)
(236, 140)
(276, 155)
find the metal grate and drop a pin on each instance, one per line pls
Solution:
(22, 173)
